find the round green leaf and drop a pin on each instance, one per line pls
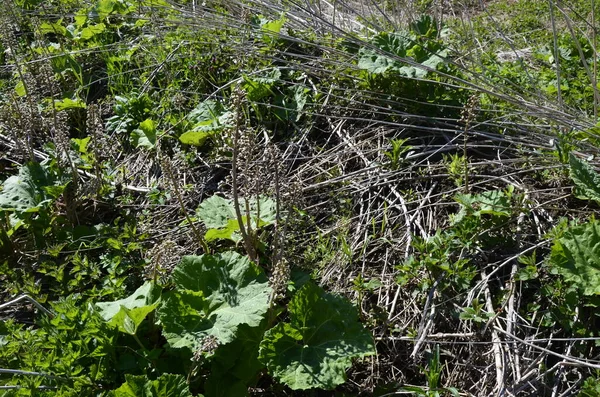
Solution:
(317, 346)
(215, 294)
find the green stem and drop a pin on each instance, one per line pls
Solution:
(139, 342)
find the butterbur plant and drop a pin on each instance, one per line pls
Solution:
(316, 347)
(220, 219)
(213, 296)
(574, 253)
(218, 315)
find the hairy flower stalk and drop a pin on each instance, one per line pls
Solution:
(167, 167)
(467, 117)
(247, 235)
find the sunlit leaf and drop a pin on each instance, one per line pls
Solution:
(586, 179)
(317, 346)
(53, 28)
(91, 31)
(25, 192)
(259, 87)
(273, 27)
(103, 9)
(166, 385)
(127, 314)
(208, 118)
(229, 232)
(20, 88)
(68, 103)
(219, 216)
(145, 135)
(214, 295)
(576, 255)
(400, 52)
(385, 51)
(196, 138)
(215, 212)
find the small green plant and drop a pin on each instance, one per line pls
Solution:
(455, 167)
(208, 119)
(398, 152)
(591, 387)
(530, 271)
(574, 253)
(433, 374)
(133, 119)
(410, 54)
(476, 313)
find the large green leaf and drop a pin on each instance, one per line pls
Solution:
(229, 232)
(196, 138)
(215, 212)
(166, 385)
(576, 255)
(219, 217)
(425, 26)
(375, 58)
(390, 51)
(53, 28)
(68, 103)
(491, 202)
(268, 30)
(26, 192)
(127, 314)
(586, 179)
(235, 366)
(208, 118)
(103, 9)
(273, 27)
(92, 30)
(214, 295)
(145, 135)
(266, 210)
(290, 103)
(317, 346)
(259, 87)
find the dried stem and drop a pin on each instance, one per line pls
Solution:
(167, 167)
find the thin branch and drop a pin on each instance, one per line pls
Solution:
(30, 299)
